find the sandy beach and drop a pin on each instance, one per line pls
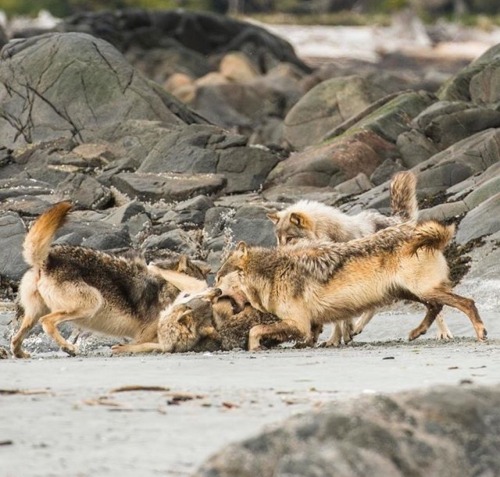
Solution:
(99, 415)
(78, 416)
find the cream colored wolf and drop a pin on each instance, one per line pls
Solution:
(312, 220)
(309, 284)
(94, 290)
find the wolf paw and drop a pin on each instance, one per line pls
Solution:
(70, 349)
(414, 334)
(483, 335)
(21, 354)
(119, 348)
(444, 335)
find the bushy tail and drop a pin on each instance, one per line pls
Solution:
(404, 196)
(37, 242)
(431, 235)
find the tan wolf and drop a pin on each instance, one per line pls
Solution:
(185, 325)
(204, 321)
(311, 283)
(94, 290)
(312, 220)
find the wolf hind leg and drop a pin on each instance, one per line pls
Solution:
(52, 320)
(33, 308)
(465, 305)
(433, 309)
(28, 321)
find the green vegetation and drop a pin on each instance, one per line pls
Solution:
(63, 8)
(299, 12)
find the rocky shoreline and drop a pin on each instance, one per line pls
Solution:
(169, 145)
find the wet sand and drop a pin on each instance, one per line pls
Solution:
(69, 421)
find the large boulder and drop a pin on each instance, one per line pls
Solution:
(202, 32)
(73, 85)
(208, 149)
(334, 162)
(476, 82)
(327, 105)
(447, 431)
(12, 232)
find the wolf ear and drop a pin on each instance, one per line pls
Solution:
(273, 217)
(184, 319)
(242, 249)
(297, 219)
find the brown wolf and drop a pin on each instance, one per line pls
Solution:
(312, 220)
(186, 325)
(314, 283)
(204, 321)
(94, 290)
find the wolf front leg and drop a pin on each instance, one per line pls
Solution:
(282, 331)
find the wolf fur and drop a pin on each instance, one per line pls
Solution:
(312, 220)
(94, 290)
(205, 321)
(321, 282)
(186, 325)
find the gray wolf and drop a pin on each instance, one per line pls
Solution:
(207, 319)
(312, 283)
(310, 220)
(93, 290)
(185, 325)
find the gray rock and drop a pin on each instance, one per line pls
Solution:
(395, 117)
(207, 149)
(203, 32)
(245, 169)
(116, 240)
(27, 205)
(85, 191)
(450, 127)
(123, 214)
(415, 148)
(216, 219)
(327, 105)
(174, 240)
(458, 88)
(86, 85)
(472, 183)
(167, 187)
(483, 192)
(446, 431)
(160, 63)
(353, 186)
(12, 233)
(483, 85)
(233, 104)
(483, 220)
(444, 212)
(192, 212)
(331, 163)
(250, 224)
(385, 171)
(453, 165)
(17, 187)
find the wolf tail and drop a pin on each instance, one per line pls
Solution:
(404, 196)
(431, 235)
(37, 242)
